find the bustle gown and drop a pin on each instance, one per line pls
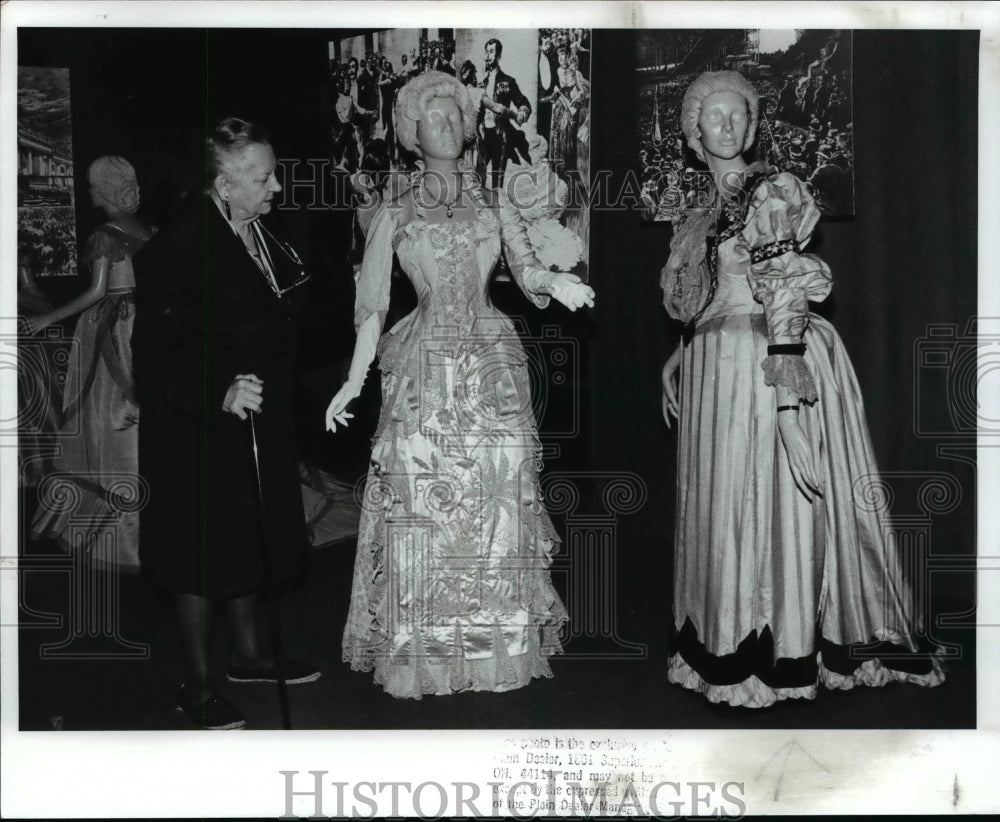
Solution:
(771, 591)
(91, 500)
(451, 587)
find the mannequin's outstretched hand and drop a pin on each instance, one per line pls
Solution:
(571, 291)
(799, 454)
(336, 410)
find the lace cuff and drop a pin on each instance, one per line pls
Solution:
(792, 372)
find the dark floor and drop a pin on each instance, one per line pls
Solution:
(118, 693)
(597, 683)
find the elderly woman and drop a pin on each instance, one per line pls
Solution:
(98, 433)
(451, 583)
(213, 353)
(780, 573)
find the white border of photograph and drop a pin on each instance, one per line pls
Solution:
(141, 774)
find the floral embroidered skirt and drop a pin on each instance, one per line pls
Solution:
(452, 590)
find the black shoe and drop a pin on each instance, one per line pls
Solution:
(216, 713)
(294, 673)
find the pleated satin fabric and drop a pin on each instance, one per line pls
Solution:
(759, 567)
(752, 550)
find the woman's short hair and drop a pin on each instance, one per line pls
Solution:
(712, 82)
(227, 138)
(416, 95)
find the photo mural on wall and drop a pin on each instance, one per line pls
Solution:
(531, 88)
(804, 80)
(46, 216)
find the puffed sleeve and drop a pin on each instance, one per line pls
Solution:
(780, 222)
(531, 277)
(375, 277)
(102, 244)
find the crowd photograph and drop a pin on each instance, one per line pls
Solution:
(804, 80)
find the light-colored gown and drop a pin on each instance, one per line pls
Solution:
(755, 561)
(91, 500)
(451, 588)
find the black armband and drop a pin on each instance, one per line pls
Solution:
(795, 349)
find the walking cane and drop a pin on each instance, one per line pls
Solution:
(286, 718)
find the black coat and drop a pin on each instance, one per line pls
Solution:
(514, 143)
(367, 91)
(205, 313)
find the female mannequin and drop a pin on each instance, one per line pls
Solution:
(100, 415)
(779, 571)
(451, 584)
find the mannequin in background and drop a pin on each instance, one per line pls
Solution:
(100, 414)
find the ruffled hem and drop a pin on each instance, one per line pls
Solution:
(791, 372)
(416, 673)
(750, 693)
(753, 693)
(873, 674)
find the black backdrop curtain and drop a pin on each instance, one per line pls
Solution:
(906, 260)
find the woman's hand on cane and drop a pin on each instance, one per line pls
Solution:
(246, 393)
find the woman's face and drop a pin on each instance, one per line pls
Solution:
(249, 182)
(562, 57)
(723, 124)
(441, 132)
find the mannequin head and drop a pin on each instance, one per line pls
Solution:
(718, 106)
(426, 97)
(113, 185)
